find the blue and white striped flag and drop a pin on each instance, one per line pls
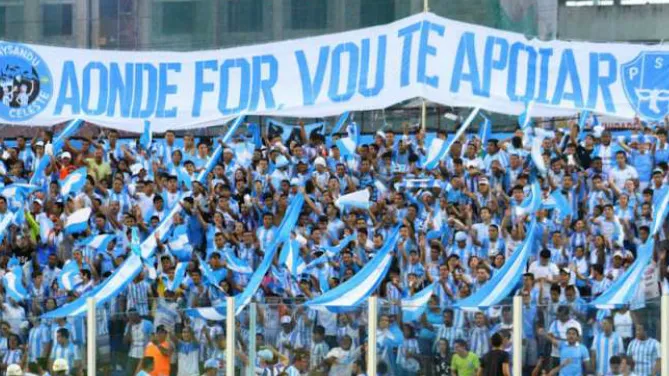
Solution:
(7, 220)
(179, 273)
(74, 182)
(235, 264)
(359, 199)
(532, 203)
(290, 253)
(485, 130)
(18, 190)
(332, 251)
(77, 222)
(525, 119)
(208, 274)
(340, 123)
(13, 284)
(561, 204)
(57, 144)
(582, 120)
(660, 209)
(419, 184)
(179, 244)
(69, 277)
(97, 242)
(147, 136)
(435, 153)
(347, 146)
(414, 306)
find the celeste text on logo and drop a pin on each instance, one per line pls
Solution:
(25, 83)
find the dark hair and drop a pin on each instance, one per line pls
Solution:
(496, 340)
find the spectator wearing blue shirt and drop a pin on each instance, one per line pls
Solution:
(574, 356)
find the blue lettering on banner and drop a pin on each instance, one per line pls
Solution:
(365, 90)
(311, 85)
(151, 87)
(351, 50)
(202, 87)
(466, 55)
(264, 85)
(545, 59)
(407, 33)
(490, 62)
(426, 49)
(100, 72)
(165, 89)
(568, 74)
(531, 72)
(602, 82)
(69, 90)
(229, 66)
(120, 89)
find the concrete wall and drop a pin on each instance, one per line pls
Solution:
(638, 23)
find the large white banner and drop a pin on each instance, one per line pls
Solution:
(444, 61)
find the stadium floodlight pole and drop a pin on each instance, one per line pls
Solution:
(423, 115)
(230, 335)
(252, 340)
(91, 341)
(372, 302)
(517, 339)
(426, 6)
(664, 329)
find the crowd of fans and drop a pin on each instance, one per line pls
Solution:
(145, 330)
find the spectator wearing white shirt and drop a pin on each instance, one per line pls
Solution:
(622, 172)
(545, 272)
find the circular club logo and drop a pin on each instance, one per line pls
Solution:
(25, 83)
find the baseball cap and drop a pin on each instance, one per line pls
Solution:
(211, 363)
(460, 236)
(484, 181)
(60, 364)
(320, 161)
(285, 319)
(618, 254)
(65, 154)
(265, 354)
(39, 143)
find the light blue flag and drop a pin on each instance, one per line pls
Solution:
(435, 153)
(323, 259)
(74, 182)
(243, 152)
(332, 251)
(323, 282)
(235, 264)
(18, 191)
(505, 280)
(19, 216)
(179, 244)
(146, 138)
(347, 146)
(57, 144)
(561, 204)
(485, 130)
(413, 307)
(357, 289)
(582, 120)
(289, 221)
(97, 242)
(7, 220)
(525, 119)
(358, 199)
(623, 289)
(216, 155)
(340, 123)
(69, 277)
(208, 274)
(532, 203)
(12, 281)
(179, 273)
(595, 120)
(184, 179)
(77, 222)
(660, 209)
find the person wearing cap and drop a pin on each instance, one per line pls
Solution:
(161, 350)
(60, 367)
(461, 247)
(286, 341)
(211, 367)
(321, 175)
(64, 351)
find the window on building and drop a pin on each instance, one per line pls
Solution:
(57, 20)
(309, 14)
(245, 16)
(178, 17)
(3, 21)
(376, 12)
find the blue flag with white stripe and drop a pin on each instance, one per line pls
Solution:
(561, 204)
(58, 143)
(18, 190)
(77, 222)
(532, 203)
(179, 273)
(74, 182)
(179, 244)
(7, 220)
(582, 120)
(340, 123)
(332, 251)
(660, 209)
(97, 242)
(147, 136)
(623, 289)
(485, 130)
(69, 277)
(12, 281)
(358, 288)
(505, 279)
(358, 199)
(525, 119)
(236, 264)
(414, 306)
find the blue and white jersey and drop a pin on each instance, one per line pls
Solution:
(13, 357)
(479, 342)
(138, 297)
(645, 354)
(69, 352)
(605, 347)
(38, 339)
